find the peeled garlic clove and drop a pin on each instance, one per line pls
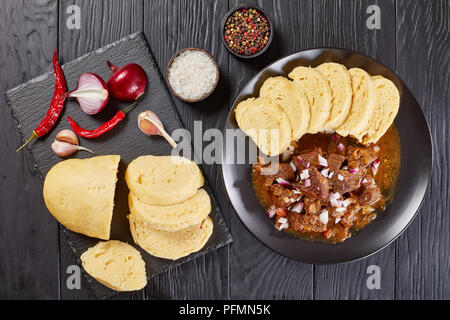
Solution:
(67, 135)
(64, 149)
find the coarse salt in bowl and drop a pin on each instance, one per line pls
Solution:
(192, 74)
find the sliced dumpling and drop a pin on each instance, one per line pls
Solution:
(313, 85)
(170, 245)
(79, 193)
(175, 216)
(163, 180)
(363, 103)
(386, 108)
(115, 264)
(281, 91)
(341, 92)
(266, 123)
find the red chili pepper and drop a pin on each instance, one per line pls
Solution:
(111, 123)
(56, 105)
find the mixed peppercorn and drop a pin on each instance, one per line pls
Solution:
(247, 31)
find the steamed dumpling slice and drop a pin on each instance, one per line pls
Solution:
(281, 91)
(341, 92)
(363, 103)
(172, 217)
(386, 108)
(115, 264)
(170, 245)
(163, 180)
(315, 88)
(79, 193)
(266, 123)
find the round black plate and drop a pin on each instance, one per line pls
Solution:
(415, 171)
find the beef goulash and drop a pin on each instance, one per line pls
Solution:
(339, 166)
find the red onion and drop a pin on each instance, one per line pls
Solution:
(340, 147)
(91, 93)
(294, 168)
(307, 165)
(307, 183)
(335, 137)
(323, 216)
(298, 207)
(322, 161)
(271, 213)
(283, 182)
(353, 170)
(127, 83)
(324, 172)
(376, 148)
(374, 166)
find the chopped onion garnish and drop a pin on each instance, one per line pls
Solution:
(298, 207)
(346, 203)
(337, 220)
(324, 172)
(291, 148)
(344, 168)
(294, 168)
(374, 166)
(340, 147)
(331, 174)
(364, 180)
(282, 220)
(299, 160)
(376, 148)
(334, 202)
(322, 161)
(323, 216)
(284, 223)
(341, 210)
(295, 191)
(304, 175)
(335, 195)
(307, 165)
(335, 137)
(340, 177)
(353, 170)
(271, 213)
(283, 182)
(307, 183)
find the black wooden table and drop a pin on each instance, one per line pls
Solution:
(413, 40)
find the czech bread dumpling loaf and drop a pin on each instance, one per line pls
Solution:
(79, 193)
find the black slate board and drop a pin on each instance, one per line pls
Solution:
(29, 103)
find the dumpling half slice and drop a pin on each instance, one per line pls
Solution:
(313, 85)
(266, 123)
(386, 108)
(281, 91)
(363, 103)
(341, 92)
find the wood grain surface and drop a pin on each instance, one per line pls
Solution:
(413, 41)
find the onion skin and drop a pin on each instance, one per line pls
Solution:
(127, 83)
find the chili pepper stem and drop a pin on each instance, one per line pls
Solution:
(130, 107)
(33, 135)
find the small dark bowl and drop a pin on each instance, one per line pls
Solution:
(170, 64)
(245, 6)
